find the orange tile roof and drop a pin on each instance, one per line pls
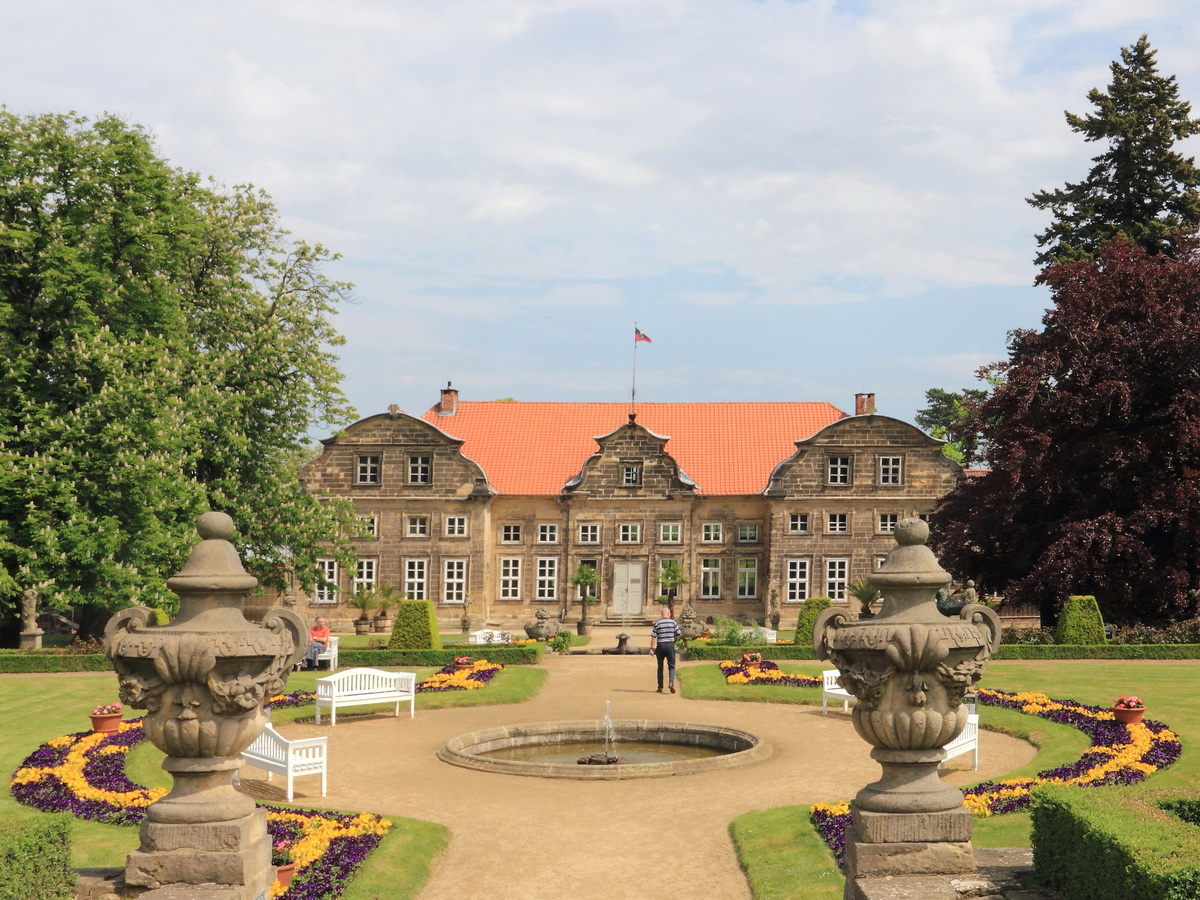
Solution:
(726, 448)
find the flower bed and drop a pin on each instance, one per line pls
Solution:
(84, 774)
(762, 671)
(1119, 754)
(459, 678)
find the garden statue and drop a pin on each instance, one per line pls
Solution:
(691, 628)
(203, 680)
(946, 604)
(31, 635)
(289, 598)
(773, 611)
(970, 595)
(908, 668)
(465, 622)
(544, 628)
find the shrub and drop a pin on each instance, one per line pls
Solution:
(728, 632)
(560, 643)
(1185, 632)
(416, 627)
(1027, 636)
(520, 655)
(1080, 622)
(808, 616)
(35, 860)
(713, 650)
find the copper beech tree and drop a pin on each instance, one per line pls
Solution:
(1093, 446)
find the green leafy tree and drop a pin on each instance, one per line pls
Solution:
(1139, 186)
(946, 418)
(167, 349)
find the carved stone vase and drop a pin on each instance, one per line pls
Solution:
(908, 668)
(203, 680)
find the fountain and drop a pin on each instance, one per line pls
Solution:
(609, 756)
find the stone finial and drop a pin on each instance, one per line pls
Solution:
(213, 564)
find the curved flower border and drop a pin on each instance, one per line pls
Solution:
(762, 672)
(1119, 754)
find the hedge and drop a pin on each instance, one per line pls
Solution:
(1116, 843)
(521, 655)
(1080, 622)
(416, 627)
(35, 859)
(1097, 651)
(708, 650)
(809, 612)
(12, 661)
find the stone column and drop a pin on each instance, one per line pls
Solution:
(908, 668)
(203, 680)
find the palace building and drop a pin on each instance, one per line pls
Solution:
(498, 503)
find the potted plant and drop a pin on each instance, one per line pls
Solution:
(866, 594)
(106, 718)
(462, 663)
(364, 602)
(671, 576)
(386, 599)
(281, 858)
(586, 579)
(1129, 710)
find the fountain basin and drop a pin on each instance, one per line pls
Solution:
(736, 748)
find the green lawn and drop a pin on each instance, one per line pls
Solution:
(779, 850)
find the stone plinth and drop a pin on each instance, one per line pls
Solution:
(31, 640)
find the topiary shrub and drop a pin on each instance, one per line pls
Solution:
(35, 860)
(416, 627)
(1080, 622)
(808, 616)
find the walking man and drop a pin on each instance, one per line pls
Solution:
(662, 641)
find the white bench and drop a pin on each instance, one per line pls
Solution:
(830, 688)
(357, 687)
(761, 635)
(272, 752)
(489, 636)
(967, 742)
(330, 654)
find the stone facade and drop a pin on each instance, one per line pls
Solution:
(820, 520)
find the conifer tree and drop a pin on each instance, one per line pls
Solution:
(1140, 186)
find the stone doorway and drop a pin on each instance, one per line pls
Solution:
(629, 579)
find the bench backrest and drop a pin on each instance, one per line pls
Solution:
(829, 679)
(350, 681)
(269, 745)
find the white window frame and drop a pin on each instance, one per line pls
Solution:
(879, 561)
(631, 476)
(370, 523)
(326, 596)
(891, 470)
(747, 533)
(454, 581)
(510, 534)
(367, 469)
(547, 578)
(510, 578)
(888, 522)
(366, 571)
(838, 469)
(589, 533)
(747, 581)
(837, 578)
(416, 578)
(837, 523)
(665, 535)
(417, 526)
(710, 578)
(799, 523)
(629, 533)
(712, 533)
(420, 469)
(797, 571)
(454, 526)
(547, 533)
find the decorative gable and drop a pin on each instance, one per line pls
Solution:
(632, 463)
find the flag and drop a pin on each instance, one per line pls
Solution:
(638, 336)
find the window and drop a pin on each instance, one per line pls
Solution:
(629, 533)
(924, 517)
(364, 575)
(747, 584)
(796, 575)
(327, 571)
(631, 475)
(547, 578)
(548, 534)
(839, 470)
(669, 533)
(456, 526)
(710, 533)
(798, 523)
(887, 522)
(420, 469)
(416, 573)
(879, 561)
(454, 581)
(747, 534)
(710, 578)
(510, 534)
(510, 579)
(835, 579)
(368, 470)
(591, 590)
(418, 526)
(369, 524)
(891, 469)
(838, 523)
(589, 534)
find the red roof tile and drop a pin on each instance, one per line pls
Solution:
(726, 448)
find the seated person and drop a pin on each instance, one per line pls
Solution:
(318, 640)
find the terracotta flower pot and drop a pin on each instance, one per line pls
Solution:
(1129, 716)
(284, 873)
(106, 724)
(461, 668)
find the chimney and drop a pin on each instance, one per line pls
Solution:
(449, 402)
(864, 404)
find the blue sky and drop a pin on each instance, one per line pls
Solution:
(794, 200)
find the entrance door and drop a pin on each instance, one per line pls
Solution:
(628, 595)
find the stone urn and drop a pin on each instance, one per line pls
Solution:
(908, 668)
(543, 627)
(203, 680)
(689, 625)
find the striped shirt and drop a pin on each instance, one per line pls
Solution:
(665, 631)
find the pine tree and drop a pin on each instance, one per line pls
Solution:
(1139, 186)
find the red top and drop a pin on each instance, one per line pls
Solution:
(319, 633)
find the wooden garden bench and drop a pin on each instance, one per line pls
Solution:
(359, 687)
(272, 752)
(830, 688)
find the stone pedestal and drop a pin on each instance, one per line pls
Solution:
(233, 856)
(31, 640)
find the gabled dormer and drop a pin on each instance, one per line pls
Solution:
(632, 462)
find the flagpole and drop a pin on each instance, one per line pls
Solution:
(633, 392)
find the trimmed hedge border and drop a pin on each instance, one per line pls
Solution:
(13, 661)
(1097, 651)
(35, 860)
(706, 650)
(1116, 844)
(523, 655)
